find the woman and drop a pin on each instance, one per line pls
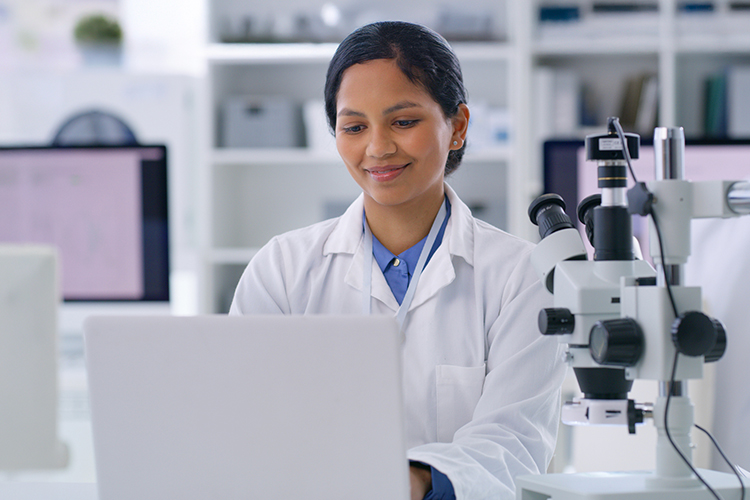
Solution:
(481, 384)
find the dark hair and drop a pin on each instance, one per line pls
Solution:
(423, 56)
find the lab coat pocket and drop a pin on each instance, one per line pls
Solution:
(458, 392)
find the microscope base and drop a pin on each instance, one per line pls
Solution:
(638, 485)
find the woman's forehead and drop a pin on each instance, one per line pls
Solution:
(382, 81)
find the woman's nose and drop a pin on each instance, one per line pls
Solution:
(381, 144)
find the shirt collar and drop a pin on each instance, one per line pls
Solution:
(346, 236)
(410, 256)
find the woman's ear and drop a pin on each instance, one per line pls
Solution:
(460, 122)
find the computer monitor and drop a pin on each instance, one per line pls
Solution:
(567, 173)
(103, 207)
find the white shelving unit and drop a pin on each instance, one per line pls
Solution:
(252, 194)
(680, 48)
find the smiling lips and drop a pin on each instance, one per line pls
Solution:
(386, 173)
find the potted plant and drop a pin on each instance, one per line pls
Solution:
(99, 39)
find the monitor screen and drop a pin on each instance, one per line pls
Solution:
(567, 173)
(103, 207)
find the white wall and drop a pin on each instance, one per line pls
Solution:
(43, 81)
(164, 35)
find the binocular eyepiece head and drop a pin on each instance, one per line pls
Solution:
(548, 212)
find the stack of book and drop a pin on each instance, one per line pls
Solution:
(715, 105)
(726, 103)
(640, 103)
(738, 101)
(597, 18)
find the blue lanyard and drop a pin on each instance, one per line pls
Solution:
(421, 263)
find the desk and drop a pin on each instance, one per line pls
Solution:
(11, 490)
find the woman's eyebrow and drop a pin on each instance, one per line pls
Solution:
(396, 107)
(401, 105)
(350, 112)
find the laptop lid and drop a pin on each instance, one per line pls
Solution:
(246, 407)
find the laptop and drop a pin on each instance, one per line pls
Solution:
(261, 407)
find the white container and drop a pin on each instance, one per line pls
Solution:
(261, 122)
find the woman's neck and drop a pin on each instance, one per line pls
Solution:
(400, 227)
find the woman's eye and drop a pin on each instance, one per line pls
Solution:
(353, 129)
(405, 123)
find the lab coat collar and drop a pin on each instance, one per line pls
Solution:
(347, 237)
(460, 230)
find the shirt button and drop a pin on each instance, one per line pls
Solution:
(396, 262)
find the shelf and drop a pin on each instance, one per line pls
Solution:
(321, 53)
(714, 44)
(270, 53)
(580, 46)
(488, 155)
(489, 51)
(231, 256)
(277, 156)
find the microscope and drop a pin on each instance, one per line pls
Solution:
(623, 319)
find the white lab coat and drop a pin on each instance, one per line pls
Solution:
(481, 384)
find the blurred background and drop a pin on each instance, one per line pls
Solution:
(233, 91)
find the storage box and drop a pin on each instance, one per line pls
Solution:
(261, 122)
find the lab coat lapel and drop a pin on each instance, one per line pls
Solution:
(438, 274)
(458, 241)
(348, 237)
(380, 288)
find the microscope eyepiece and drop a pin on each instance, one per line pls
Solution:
(585, 214)
(548, 212)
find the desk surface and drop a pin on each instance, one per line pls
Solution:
(19, 490)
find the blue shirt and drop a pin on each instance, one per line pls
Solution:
(442, 489)
(398, 270)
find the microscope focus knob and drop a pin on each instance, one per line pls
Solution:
(694, 333)
(616, 342)
(720, 347)
(556, 321)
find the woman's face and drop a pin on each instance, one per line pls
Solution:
(393, 136)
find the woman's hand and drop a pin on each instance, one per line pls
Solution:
(421, 482)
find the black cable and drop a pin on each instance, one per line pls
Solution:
(666, 428)
(674, 364)
(626, 153)
(663, 265)
(672, 380)
(625, 150)
(729, 463)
